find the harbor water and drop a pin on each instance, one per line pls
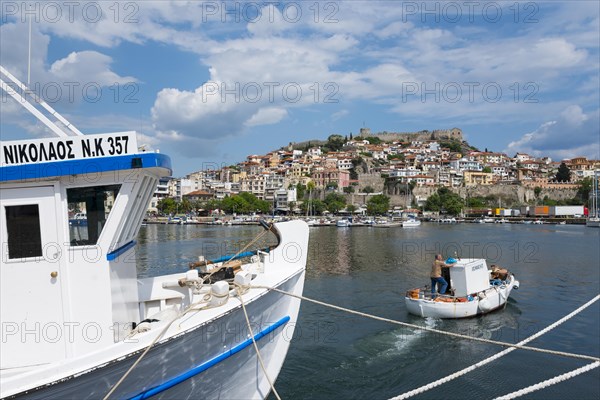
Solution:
(335, 355)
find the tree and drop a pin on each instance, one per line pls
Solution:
(335, 142)
(373, 140)
(212, 204)
(476, 202)
(316, 207)
(300, 191)
(487, 170)
(167, 205)
(583, 191)
(335, 202)
(378, 205)
(453, 205)
(537, 190)
(185, 206)
(395, 157)
(351, 208)
(444, 200)
(348, 189)
(433, 203)
(368, 189)
(563, 174)
(244, 203)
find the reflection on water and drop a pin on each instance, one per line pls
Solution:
(370, 269)
(164, 249)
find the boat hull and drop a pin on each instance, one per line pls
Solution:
(489, 300)
(407, 224)
(213, 360)
(593, 223)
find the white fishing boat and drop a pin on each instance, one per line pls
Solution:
(411, 222)
(475, 290)
(78, 323)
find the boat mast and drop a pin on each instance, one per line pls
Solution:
(30, 101)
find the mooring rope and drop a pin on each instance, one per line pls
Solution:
(550, 382)
(462, 372)
(424, 328)
(190, 308)
(240, 289)
(226, 263)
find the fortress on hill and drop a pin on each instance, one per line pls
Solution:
(438, 134)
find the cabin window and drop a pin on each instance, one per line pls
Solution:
(88, 211)
(24, 233)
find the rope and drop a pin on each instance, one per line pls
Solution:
(135, 364)
(260, 360)
(462, 372)
(226, 263)
(424, 328)
(550, 382)
(191, 307)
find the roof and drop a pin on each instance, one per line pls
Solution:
(198, 193)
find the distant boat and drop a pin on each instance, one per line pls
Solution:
(411, 222)
(593, 222)
(343, 223)
(448, 220)
(79, 219)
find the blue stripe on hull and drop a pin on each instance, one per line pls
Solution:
(210, 363)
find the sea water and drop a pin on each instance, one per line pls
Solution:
(335, 355)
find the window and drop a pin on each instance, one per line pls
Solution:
(88, 210)
(24, 233)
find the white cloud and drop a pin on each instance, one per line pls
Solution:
(574, 133)
(367, 50)
(87, 66)
(267, 116)
(339, 115)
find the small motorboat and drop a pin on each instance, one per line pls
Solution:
(475, 290)
(411, 222)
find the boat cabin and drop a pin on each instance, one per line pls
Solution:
(468, 276)
(70, 211)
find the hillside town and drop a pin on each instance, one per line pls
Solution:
(406, 167)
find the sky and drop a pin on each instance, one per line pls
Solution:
(210, 83)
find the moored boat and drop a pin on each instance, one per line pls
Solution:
(411, 222)
(475, 290)
(343, 223)
(85, 325)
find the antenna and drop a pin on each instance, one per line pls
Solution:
(29, 57)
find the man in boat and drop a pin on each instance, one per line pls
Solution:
(436, 275)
